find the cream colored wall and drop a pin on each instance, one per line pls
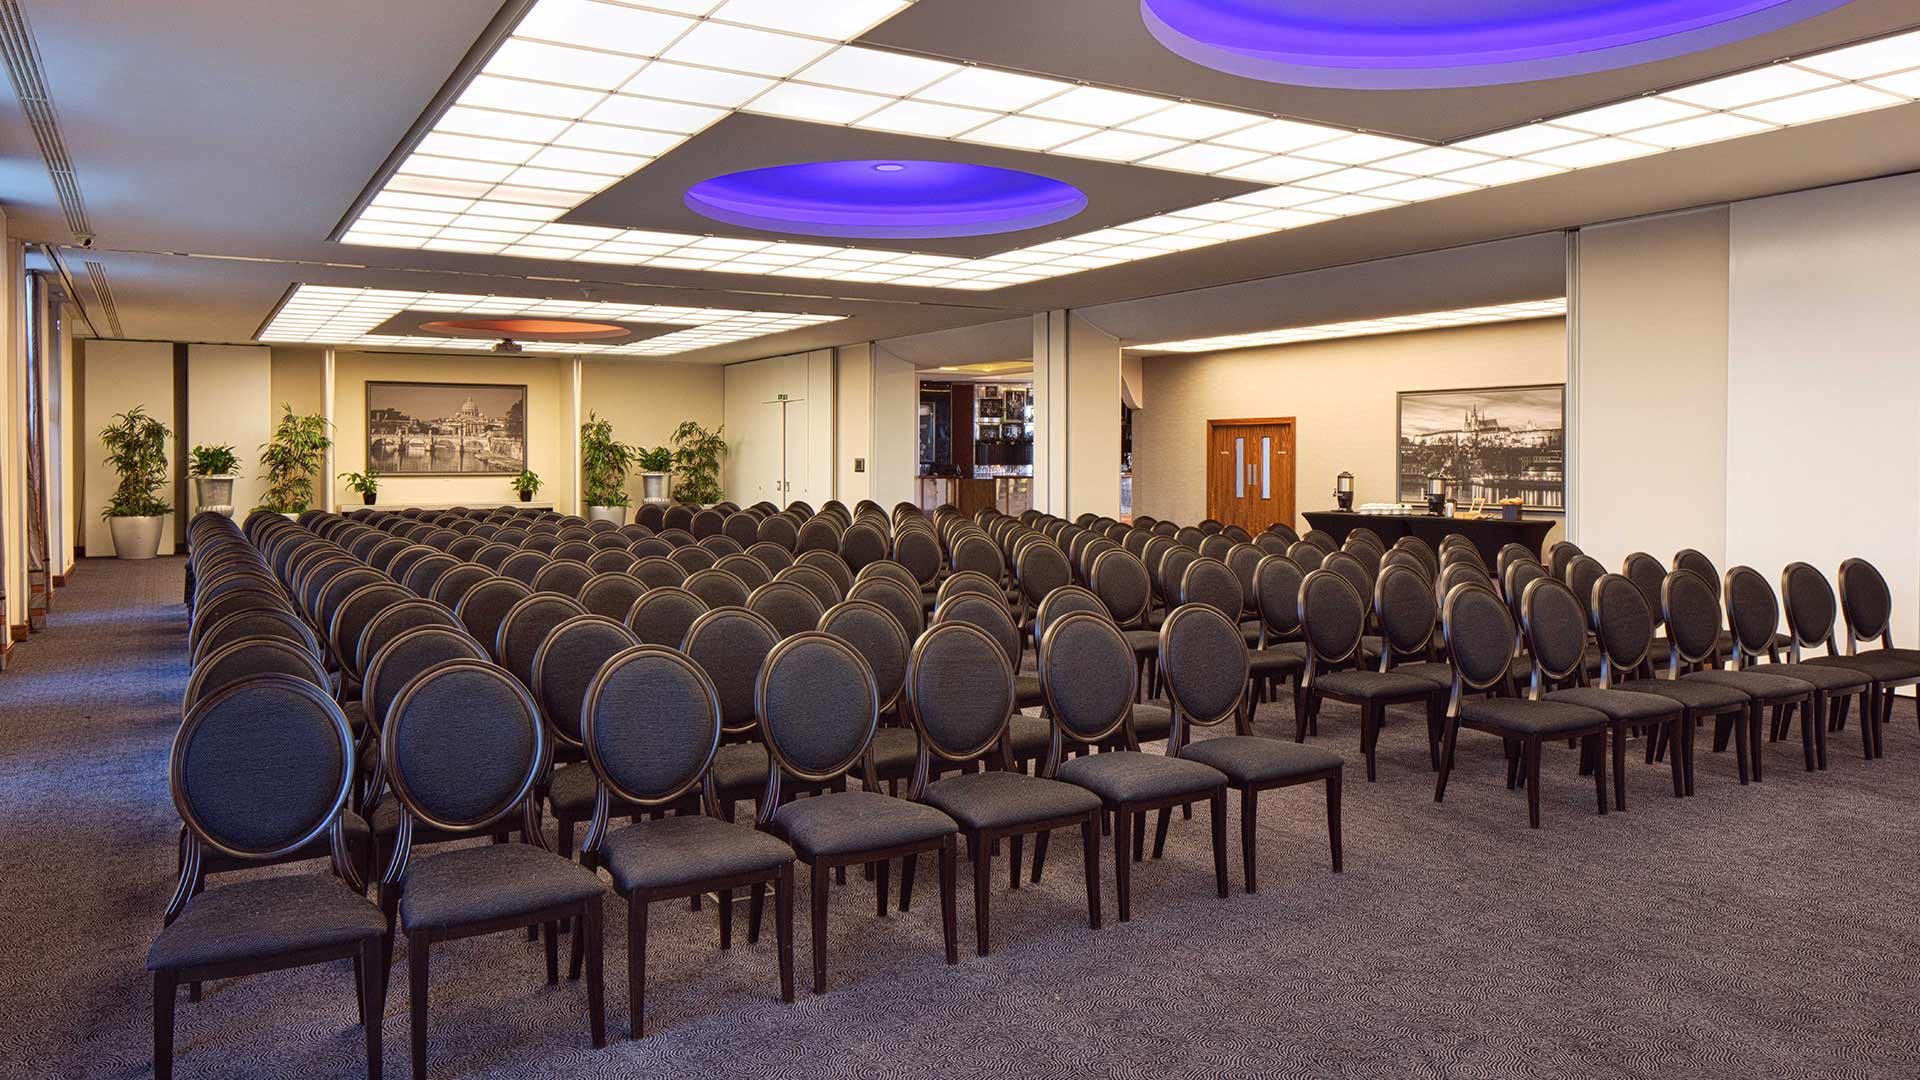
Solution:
(550, 438)
(1093, 420)
(230, 401)
(895, 460)
(61, 447)
(647, 399)
(120, 375)
(1650, 413)
(1823, 393)
(1341, 395)
(853, 422)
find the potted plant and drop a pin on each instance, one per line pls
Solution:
(293, 457)
(656, 467)
(696, 461)
(526, 484)
(604, 462)
(136, 446)
(214, 470)
(366, 483)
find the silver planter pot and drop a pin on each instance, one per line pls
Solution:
(136, 537)
(214, 494)
(615, 514)
(653, 487)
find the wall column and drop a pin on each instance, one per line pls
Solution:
(1076, 416)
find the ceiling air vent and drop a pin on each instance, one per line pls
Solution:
(103, 294)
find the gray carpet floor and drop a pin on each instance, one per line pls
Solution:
(1759, 931)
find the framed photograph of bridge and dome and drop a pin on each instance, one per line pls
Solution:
(446, 429)
(1491, 443)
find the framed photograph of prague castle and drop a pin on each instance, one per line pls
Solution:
(446, 429)
(1491, 443)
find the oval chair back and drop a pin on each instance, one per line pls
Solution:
(1623, 626)
(1205, 661)
(402, 659)
(1089, 676)
(1555, 624)
(565, 667)
(650, 725)
(789, 606)
(875, 633)
(662, 616)
(817, 708)
(731, 644)
(958, 695)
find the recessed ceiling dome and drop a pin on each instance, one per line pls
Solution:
(1411, 44)
(886, 199)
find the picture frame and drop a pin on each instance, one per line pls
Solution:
(1491, 443)
(446, 429)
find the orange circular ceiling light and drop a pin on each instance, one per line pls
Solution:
(527, 329)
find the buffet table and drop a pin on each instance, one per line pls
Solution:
(1488, 534)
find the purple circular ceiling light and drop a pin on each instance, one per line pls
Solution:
(1419, 44)
(886, 199)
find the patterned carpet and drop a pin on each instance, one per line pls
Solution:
(1746, 932)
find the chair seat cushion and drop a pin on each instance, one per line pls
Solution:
(1518, 717)
(1000, 799)
(570, 793)
(1886, 665)
(1373, 685)
(1251, 759)
(1440, 675)
(1704, 698)
(265, 917)
(1618, 704)
(896, 750)
(846, 822)
(1151, 723)
(1757, 684)
(1144, 642)
(683, 850)
(1832, 678)
(1276, 661)
(1027, 692)
(740, 770)
(1030, 736)
(1129, 776)
(493, 881)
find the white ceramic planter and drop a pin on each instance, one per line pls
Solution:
(135, 537)
(653, 487)
(615, 514)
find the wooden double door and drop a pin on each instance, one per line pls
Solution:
(1250, 472)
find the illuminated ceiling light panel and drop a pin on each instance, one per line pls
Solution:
(332, 315)
(1429, 320)
(526, 142)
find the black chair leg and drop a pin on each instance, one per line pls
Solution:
(1219, 812)
(908, 864)
(783, 929)
(821, 877)
(592, 927)
(1160, 830)
(1533, 783)
(1040, 854)
(417, 969)
(1249, 834)
(165, 986)
(1123, 862)
(1090, 843)
(636, 967)
(373, 1003)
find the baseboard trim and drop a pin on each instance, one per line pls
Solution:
(20, 631)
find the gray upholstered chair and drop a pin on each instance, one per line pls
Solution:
(650, 726)
(818, 708)
(1810, 609)
(1753, 614)
(901, 602)
(959, 695)
(1088, 671)
(664, 614)
(291, 728)
(1555, 624)
(612, 594)
(1333, 617)
(1867, 607)
(1480, 634)
(526, 626)
(453, 586)
(1204, 657)
(463, 749)
(730, 644)
(788, 605)
(815, 580)
(563, 668)
(717, 588)
(485, 607)
(1692, 609)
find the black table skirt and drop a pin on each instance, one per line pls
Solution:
(1487, 535)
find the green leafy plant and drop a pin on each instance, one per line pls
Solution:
(658, 459)
(214, 461)
(293, 458)
(136, 446)
(366, 483)
(604, 462)
(527, 482)
(696, 463)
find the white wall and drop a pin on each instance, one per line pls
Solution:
(1341, 394)
(230, 400)
(1093, 420)
(895, 460)
(1650, 408)
(1823, 385)
(121, 375)
(757, 453)
(853, 423)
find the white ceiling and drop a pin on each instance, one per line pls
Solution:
(209, 129)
